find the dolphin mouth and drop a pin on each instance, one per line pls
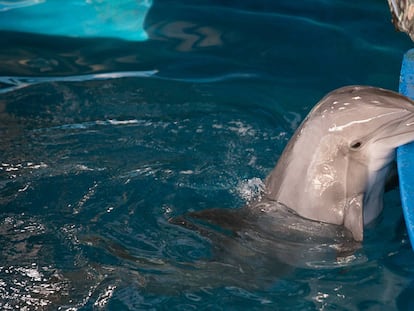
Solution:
(397, 130)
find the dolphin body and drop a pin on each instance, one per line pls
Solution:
(334, 168)
(328, 183)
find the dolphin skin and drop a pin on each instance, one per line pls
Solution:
(335, 166)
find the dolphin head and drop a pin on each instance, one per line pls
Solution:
(335, 166)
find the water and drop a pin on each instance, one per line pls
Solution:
(104, 140)
(76, 18)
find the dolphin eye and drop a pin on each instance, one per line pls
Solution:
(356, 145)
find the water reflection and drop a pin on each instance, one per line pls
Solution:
(90, 18)
(189, 35)
(223, 43)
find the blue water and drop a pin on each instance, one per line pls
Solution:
(77, 18)
(102, 140)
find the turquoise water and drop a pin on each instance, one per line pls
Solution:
(121, 19)
(103, 140)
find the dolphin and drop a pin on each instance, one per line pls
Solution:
(328, 183)
(335, 166)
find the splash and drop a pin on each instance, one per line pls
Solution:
(251, 189)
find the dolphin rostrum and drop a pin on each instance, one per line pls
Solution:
(335, 166)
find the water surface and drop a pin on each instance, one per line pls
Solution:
(104, 140)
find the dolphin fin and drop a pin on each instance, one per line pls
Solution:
(353, 217)
(229, 221)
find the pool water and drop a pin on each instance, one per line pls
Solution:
(104, 140)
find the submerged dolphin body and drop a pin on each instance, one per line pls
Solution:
(336, 164)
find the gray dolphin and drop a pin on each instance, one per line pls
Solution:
(336, 164)
(328, 182)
